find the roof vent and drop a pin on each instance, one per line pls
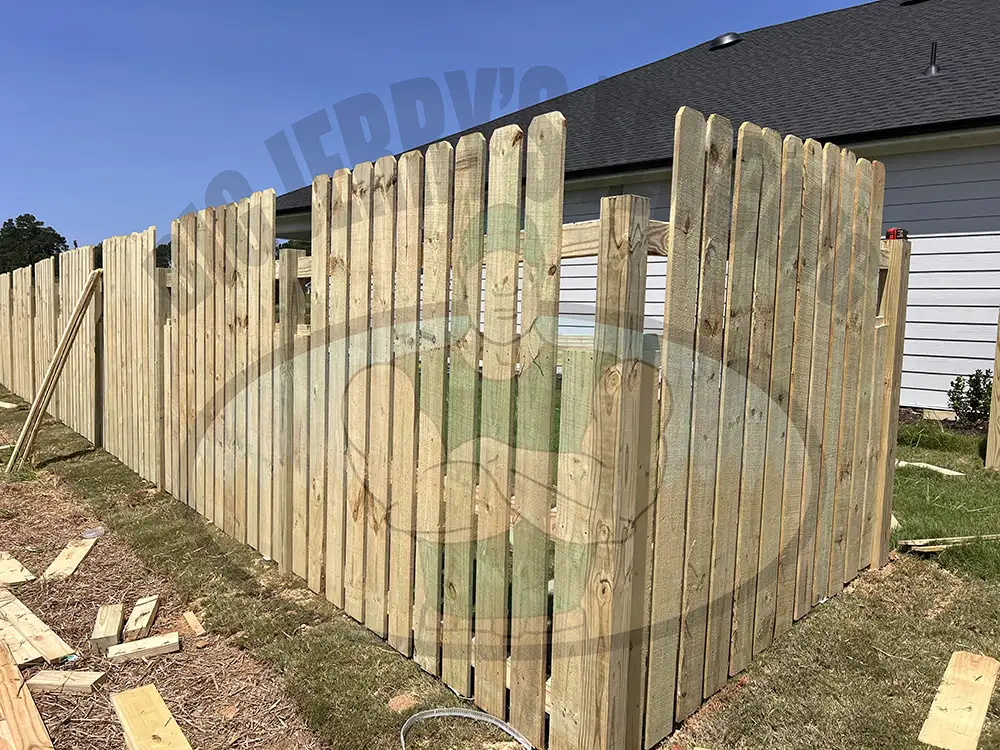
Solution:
(724, 40)
(933, 69)
(911, 2)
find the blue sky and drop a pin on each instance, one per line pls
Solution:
(119, 115)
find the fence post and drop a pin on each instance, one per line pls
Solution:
(894, 312)
(615, 604)
(993, 441)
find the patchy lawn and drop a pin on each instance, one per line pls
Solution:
(861, 671)
(929, 504)
(338, 677)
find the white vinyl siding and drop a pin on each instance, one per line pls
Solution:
(951, 314)
(949, 202)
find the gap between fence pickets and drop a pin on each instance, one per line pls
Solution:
(581, 239)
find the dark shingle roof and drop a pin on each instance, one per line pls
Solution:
(848, 74)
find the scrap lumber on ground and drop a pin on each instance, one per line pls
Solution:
(108, 626)
(18, 708)
(194, 623)
(6, 738)
(7, 405)
(146, 720)
(154, 646)
(68, 560)
(24, 653)
(932, 467)
(956, 717)
(12, 572)
(140, 622)
(37, 633)
(940, 543)
(80, 682)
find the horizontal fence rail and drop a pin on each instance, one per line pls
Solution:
(587, 535)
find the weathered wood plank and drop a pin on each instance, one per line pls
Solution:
(69, 559)
(80, 682)
(228, 521)
(17, 707)
(194, 623)
(107, 627)
(336, 457)
(318, 379)
(380, 404)
(857, 297)
(404, 374)
(359, 354)
(956, 716)
(462, 400)
(242, 368)
(23, 652)
(12, 572)
(496, 436)
(300, 442)
(809, 509)
(144, 648)
(37, 633)
(865, 434)
(573, 549)
(835, 379)
(146, 720)
(758, 400)
(676, 363)
(778, 407)
(267, 442)
(894, 305)
(717, 595)
(204, 256)
(613, 594)
(289, 299)
(220, 329)
(433, 346)
(253, 374)
(140, 621)
(534, 480)
(798, 392)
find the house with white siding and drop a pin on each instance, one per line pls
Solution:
(862, 78)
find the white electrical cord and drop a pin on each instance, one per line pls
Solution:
(462, 713)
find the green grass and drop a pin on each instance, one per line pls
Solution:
(928, 504)
(340, 676)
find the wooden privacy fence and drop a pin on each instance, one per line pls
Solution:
(587, 537)
(35, 305)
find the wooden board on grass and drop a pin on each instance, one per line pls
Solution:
(24, 725)
(12, 572)
(144, 648)
(69, 560)
(956, 718)
(146, 720)
(78, 682)
(37, 633)
(140, 622)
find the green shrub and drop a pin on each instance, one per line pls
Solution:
(970, 399)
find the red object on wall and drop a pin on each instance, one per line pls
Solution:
(896, 234)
